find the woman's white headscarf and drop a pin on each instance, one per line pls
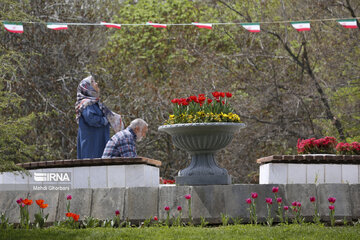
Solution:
(87, 95)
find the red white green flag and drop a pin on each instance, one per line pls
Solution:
(348, 23)
(57, 26)
(111, 25)
(202, 25)
(301, 26)
(156, 25)
(14, 27)
(251, 27)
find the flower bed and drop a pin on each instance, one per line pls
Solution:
(348, 148)
(327, 145)
(317, 146)
(286, 212)
(202, 109)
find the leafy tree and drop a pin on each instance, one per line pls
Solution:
(286, 84)
(283, 80)
(14, 123)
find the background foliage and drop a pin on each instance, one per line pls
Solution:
(287, 85)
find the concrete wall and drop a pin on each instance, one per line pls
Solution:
(111, 176)
(207, 201)
(286, 173)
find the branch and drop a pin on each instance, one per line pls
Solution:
(47, 101)
(282, 126)
(287, 48)
(323, 98)
(233, 9)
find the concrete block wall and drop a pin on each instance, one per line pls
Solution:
(140, 203)
(137, 175)
(286, 173)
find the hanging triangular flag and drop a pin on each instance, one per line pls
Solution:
(348, 23)
(156, 25)
(13, 27)
(111, 25)
(301, 26)
(251, 27)
(202, 25)
(57, 26)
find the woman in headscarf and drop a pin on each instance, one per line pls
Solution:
(94, 120)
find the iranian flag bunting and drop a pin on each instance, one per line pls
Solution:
(57, 26)
(251, 27)
(348, 23)
(111, 25)
(301, 26)
(156, 25)
(13, 27)
(202, 25)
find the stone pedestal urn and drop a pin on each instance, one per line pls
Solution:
(202, 141)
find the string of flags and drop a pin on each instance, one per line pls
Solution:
(17, 27)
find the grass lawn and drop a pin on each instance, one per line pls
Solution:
(228, 232)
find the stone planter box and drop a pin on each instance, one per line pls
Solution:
(84, 173)
(309, 169)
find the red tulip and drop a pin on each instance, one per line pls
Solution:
(201, 99)
(188, 196)
(179, 208)
(286, 208)
(156, 218)
(254, 195)
(331, 207)
(39, 202)
(222, 94)
(275, 189)
(279, 200)
(76, 217)
(229, 95)
(43, 206)
(167, 208)
(194, 98)
(248, 201)
(332, 200)
(312, 199)
(268, 200)
(216, 94)
(117, 212)
(27, 201)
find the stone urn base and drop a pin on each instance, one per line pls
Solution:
(202, 141)
(203, 170)
(203, 180)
